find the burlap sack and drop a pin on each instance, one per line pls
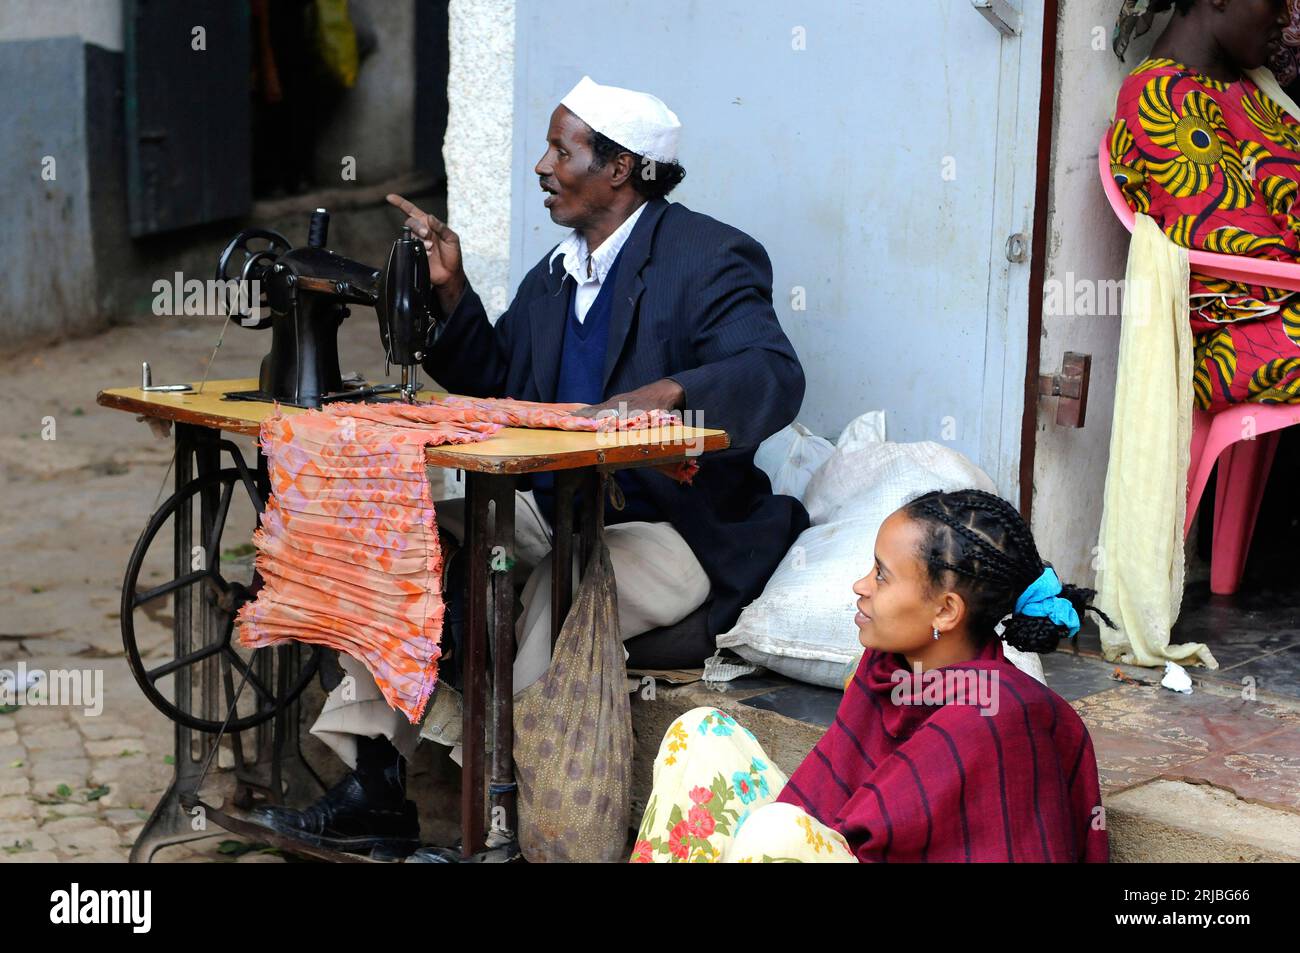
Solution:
(573, 735)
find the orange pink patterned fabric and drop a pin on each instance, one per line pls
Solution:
(348, 545)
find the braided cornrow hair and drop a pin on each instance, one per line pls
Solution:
(978, 545)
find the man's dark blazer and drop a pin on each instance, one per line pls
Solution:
(692, 301)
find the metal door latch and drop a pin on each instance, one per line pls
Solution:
(1070, 386)
(1018, 248)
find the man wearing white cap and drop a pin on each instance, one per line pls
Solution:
(644, 304)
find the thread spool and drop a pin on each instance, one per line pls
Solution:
(319, 229)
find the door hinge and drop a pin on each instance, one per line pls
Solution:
(1070, 386)
(1004, 17)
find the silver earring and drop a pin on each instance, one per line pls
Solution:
(936, 633)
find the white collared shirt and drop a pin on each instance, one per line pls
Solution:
(589, 271)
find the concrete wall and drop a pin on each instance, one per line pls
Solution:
(478, 150)
(95, 21)
(1086, 241)
(46, 242)
(372, 121)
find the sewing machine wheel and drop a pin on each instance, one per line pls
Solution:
(260, 247)
(204, 594)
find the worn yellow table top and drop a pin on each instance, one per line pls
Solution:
(513, 450)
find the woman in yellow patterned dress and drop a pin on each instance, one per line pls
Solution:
(1200, 148)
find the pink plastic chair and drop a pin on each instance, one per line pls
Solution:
(1241, 439)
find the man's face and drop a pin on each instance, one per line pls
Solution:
(576, 195)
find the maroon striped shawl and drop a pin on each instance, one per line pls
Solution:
(943, 782)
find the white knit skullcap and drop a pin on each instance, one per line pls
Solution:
(638, 122)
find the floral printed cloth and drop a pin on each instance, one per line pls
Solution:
(348, 546)
(714, 798)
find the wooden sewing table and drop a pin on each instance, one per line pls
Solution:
(582, 462)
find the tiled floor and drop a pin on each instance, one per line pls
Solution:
(1142, 733)
(1255, 632)
(1240, 729)
(1075, 676)
(809, 703)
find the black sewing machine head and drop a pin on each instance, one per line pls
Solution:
(303, 295)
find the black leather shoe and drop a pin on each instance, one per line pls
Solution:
(347, 819)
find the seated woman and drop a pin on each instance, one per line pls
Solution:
(1215, 162)
(941, 750)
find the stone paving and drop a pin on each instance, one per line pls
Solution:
(77, 786)
(69, 786)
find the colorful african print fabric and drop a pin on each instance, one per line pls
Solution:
(1217, 166)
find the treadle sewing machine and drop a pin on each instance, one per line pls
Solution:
(307, 292)
(214, 689)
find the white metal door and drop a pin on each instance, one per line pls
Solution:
(883, 154)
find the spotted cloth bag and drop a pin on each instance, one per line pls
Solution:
(573, 735)
(347, 549)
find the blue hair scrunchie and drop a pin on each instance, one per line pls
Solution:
(1042, 598)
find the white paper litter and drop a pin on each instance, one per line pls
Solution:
(1176, 678)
